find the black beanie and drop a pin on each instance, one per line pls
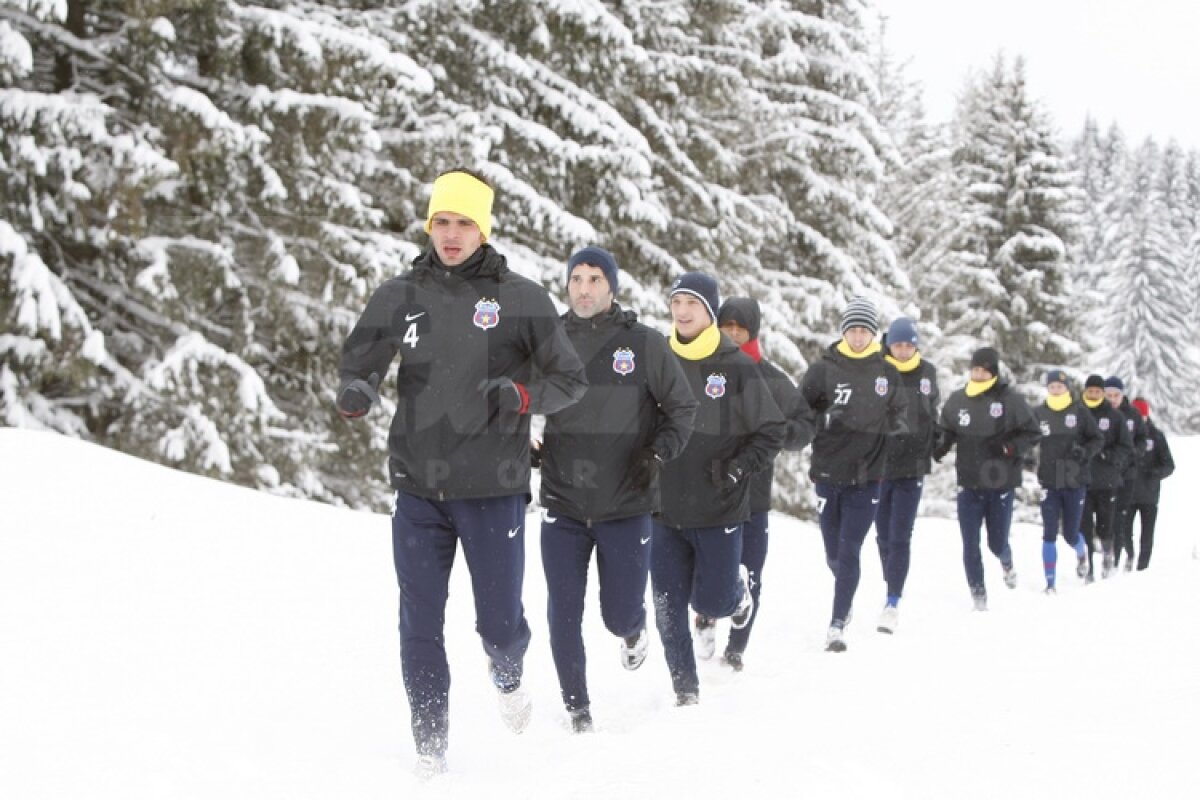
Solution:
(702, 286)
(988, 358)
(1113, 382)
(744, 311)
(1057, 376)
(1094, 380)
(597, 257)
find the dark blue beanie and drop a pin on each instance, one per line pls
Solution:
(902, 331)
(597, 257)
(702, 286)
(1113, 382)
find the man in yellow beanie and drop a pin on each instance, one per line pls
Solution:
(481, 349)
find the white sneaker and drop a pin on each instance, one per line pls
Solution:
(888, 619)
(979, 598)
(516, 709)
(429, 766)
(1010, 577)
(741, 615)
(632, 655)
(705, 642)
(835, 640)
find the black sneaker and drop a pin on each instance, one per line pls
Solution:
(733, 661)
(581, 720)
(687, 698)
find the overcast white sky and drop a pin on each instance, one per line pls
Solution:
(1137, 63)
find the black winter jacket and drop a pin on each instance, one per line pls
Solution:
(736, 421)
(984, 427)
(637, 397)
(1109, 465)
(858, 405)
(1156, 464)
(1136, 425)
(453, 329)
(799, 420)
(910, 455)
(1070, 439)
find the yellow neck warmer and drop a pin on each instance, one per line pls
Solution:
(1090, 404)
(905, 366)
(1059, 402)
(976, 388)
(699, 348)
(844, 348)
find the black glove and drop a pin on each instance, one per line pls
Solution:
(727, 475)
(1003, 449)
(504, 394)
(1078, 452)
(644, 469)
(833, 417)
(535, 454)
(356, 397)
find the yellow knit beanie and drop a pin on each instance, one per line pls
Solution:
(461, 193)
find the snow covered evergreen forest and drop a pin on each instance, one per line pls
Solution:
(197, 197)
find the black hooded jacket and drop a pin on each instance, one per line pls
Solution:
(1070, 440)
(994, 432)
(910, 455)
(1109, 466)
(1156, 463)
(637, 397)
(858, 405)
(452, 330)
(736, 421)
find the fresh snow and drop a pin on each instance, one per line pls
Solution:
(165, 635)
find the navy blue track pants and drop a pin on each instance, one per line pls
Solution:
(622, 549)
(894, 520)
(425, 538)
(754, 557)
(847, 511)
(977, 508)
(696, 567)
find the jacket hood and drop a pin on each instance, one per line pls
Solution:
(484, 262)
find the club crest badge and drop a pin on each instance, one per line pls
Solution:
(881, 386)
(715, 387)
(926, 386)
(487, 314)
(996, 410)
(1105, 424)
(623, 361)
(1071, 421)
(1130, 424)
(1149, 445)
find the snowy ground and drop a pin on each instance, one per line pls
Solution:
(166, 636)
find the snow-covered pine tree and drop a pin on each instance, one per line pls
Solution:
(1151, 303)
(815, 143)
(1099, 163)
(1009, 269)
(204, 210)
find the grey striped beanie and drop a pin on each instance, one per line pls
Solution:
(860, 313)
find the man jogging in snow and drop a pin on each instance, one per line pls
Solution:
(856, 396)
(482, 348)
(1156, 464)
(1107, 476)
(741, 319)
(994, 429)
(695, 556)
(599, 464)
(1114, 393)
(1070, 439)
(909, 459)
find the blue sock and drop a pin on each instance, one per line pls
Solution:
(893, 600)
(1050, 560)
(1080, 546)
